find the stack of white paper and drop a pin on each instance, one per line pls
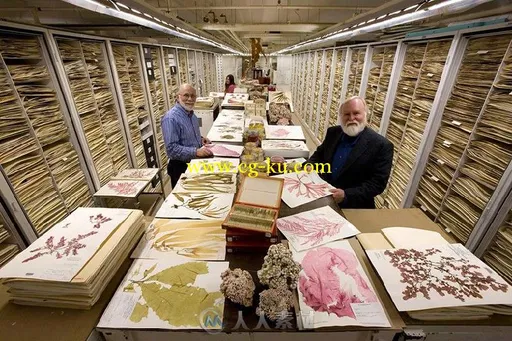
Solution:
(71, 264)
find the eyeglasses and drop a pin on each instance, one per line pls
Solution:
(188, 96)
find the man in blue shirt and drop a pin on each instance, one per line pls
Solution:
(360, 158)
(180, 128)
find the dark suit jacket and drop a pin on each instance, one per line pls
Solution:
(366, 172)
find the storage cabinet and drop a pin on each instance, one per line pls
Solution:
(37, 153)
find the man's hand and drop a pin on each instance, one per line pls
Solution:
(338, 194)
(205, 140)
(203, 152)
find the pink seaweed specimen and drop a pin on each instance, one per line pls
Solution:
(324, 290)
(123, 187)
(62, 248)
(306, 187)
(447, 276)
(281, 132)
(313, 231)
(222, 151)
(98, 220)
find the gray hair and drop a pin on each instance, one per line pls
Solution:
(352, 99)
(184, 86)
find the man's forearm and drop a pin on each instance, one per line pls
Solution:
(182, 153)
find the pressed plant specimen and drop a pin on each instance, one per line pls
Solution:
(423, 273)
(62, 248)
(126, 188)
(304, 186)
(201, 203)
(208, 183)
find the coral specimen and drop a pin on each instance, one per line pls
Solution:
(238, 286)
(274, 303)
(324, 269)
(279, 269)
(278, 111)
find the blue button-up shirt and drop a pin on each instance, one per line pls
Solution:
(182, 137)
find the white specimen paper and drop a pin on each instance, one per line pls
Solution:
(438, 276)
(334, 290)
(168, 293)
(121, 188)
(284, 132)
(285, 148)
(212, 165)
(144, 174)
(407, 237)
(65, 248)
(183, 238)
(206, 183)
(313, 228)
(301, 188)
(196, 206)
(225, 150)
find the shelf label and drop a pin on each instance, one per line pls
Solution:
(457, 123)
(430, 75)
(441, 162)
(147, 140)
(406, 88)
(448, 230)
(446, 142)
(64, 159)
(152, 159)
(482, 52)
(423, 208)
(149, 149)
(434, 178)
(417, 115)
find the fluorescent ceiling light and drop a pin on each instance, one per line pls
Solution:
(139, 20)
(122, 5)
(136, 11)
(147, 15)
(412, 7)
(440, 8)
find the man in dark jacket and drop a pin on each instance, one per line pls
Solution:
(360, 158)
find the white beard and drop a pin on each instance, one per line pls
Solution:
(353, 129)
(187, 107)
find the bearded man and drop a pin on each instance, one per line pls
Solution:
(360, 158)
(182, 137)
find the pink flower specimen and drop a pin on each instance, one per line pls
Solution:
(446, 276)
(98, 220)
(123, 187)
(313, 231)
(305, 186)
(222, 151)
(281, 132)
(62, 248)
(324, 283)
(138, 174)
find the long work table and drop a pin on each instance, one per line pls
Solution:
(24, 323)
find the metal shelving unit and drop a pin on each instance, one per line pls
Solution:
(411, 110)
(192, 69)
(336, 86)
(159, 104)
(39, 156)
(84, 68)
(11, 242)
(314, 86)
(315, 114)
(356, 70)
(183, 66)
(382, 61)
(172, 74)
(471, 148)
(127, 65)
(328, 72)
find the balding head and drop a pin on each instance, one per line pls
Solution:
(187, 96)
(352, 115)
